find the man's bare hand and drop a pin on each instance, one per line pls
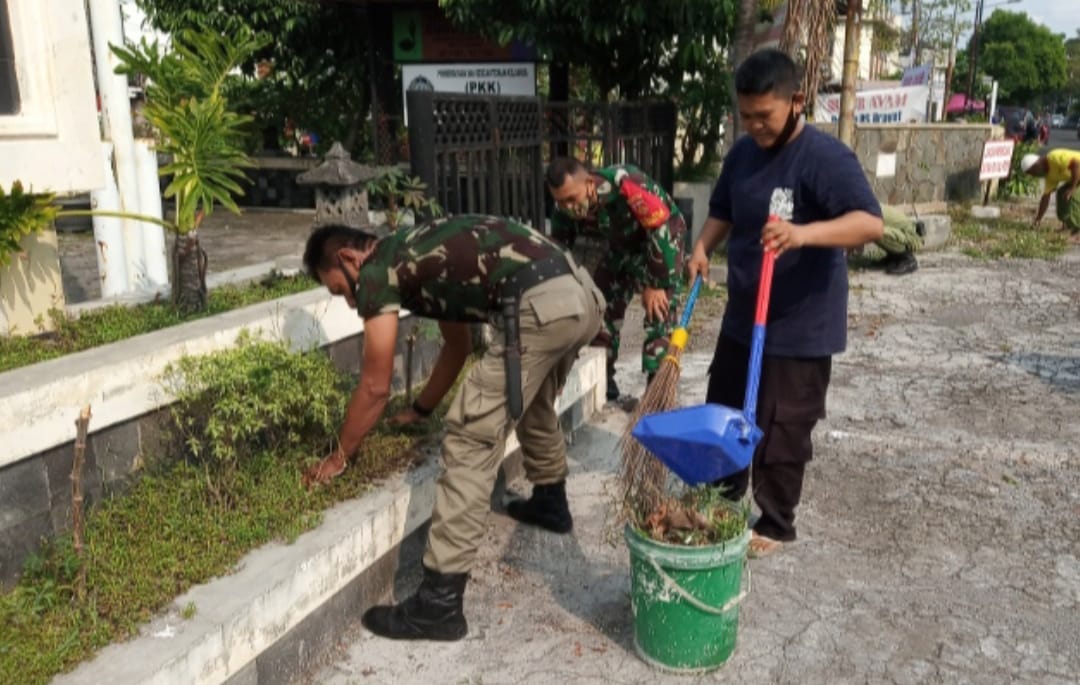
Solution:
(656, 303)
(332, 466)
(780, 235)
(698, 264)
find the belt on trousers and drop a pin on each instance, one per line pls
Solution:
(532, 274)
(510, 291)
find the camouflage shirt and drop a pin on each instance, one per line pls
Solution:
(627, 227)
(448, 269)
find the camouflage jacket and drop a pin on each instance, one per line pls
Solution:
(636, 216)
(448, 269)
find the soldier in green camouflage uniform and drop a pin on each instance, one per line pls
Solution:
(630, 234)
(896, 249)
(458, 271)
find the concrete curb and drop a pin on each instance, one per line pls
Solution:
(277, 587)
(120, 380)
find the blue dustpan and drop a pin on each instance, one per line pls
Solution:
(700, 444)
(708, 442)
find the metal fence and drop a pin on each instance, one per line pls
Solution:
(607, 133)
(486, 155)
(479, 154)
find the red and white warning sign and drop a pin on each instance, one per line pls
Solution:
(996, 159)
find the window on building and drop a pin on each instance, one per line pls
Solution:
(9, 88)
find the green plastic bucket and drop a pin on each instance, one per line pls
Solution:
(685, 601)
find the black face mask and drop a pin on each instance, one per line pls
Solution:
(789, 130)
(348, 279)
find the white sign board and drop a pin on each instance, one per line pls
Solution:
(886, 165)
(996, 159)
(886, 106)
(509, 78)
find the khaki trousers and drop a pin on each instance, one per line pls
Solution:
(558, 318)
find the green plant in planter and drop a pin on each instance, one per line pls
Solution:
(199, 132)
(1019, 184)
(255, 397)
(22, 214)
(397, 192)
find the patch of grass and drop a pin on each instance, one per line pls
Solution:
(1004, 238)
(117, 322)
(182, 523)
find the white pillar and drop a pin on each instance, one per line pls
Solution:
(153, 236)
(993, 102)
(106, 26)
(109, 233)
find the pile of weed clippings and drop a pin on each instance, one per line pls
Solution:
(117, 322)
(190, 519)
(700, 516)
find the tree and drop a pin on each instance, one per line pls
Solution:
(198, 132)
(318, 63)
(625, 44)
(631, 48)
(1072, 67)
(809, 32)
(1026, 59)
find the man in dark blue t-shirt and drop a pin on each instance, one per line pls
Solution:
(821, 202)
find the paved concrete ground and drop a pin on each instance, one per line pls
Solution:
(939, 533)
(230, 241)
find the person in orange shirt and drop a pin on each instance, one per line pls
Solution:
(1060, 171)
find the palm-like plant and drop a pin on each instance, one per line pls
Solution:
(200, 135)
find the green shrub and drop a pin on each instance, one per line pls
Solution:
(256, 397)
(1019, 184)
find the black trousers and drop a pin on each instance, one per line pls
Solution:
(791, 400)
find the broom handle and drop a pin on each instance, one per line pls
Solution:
(690, 302)
(757, 343)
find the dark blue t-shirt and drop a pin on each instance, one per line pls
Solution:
(808, 307)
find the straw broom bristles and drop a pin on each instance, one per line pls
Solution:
(643, 477)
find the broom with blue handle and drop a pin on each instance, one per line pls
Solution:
(642, 478)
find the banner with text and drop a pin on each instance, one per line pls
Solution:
(502, 78)
(886, 106)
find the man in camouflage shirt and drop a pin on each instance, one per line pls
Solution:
(458, 271)
(636, 234)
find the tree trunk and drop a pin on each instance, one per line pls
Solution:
(852, 29)
(744, 45)
(189, 273)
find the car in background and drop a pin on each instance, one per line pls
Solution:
(1058, 121)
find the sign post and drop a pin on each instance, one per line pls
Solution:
(996, 163)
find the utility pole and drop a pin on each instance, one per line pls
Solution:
(973, 53)
(852, 30)
(915, 61)
(952, 54)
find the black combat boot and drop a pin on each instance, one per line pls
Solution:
(546, 508)
(433, 613)
(902, 264)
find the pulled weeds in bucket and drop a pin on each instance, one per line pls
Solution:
(700, 516)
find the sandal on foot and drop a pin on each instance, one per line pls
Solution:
(761, 546)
